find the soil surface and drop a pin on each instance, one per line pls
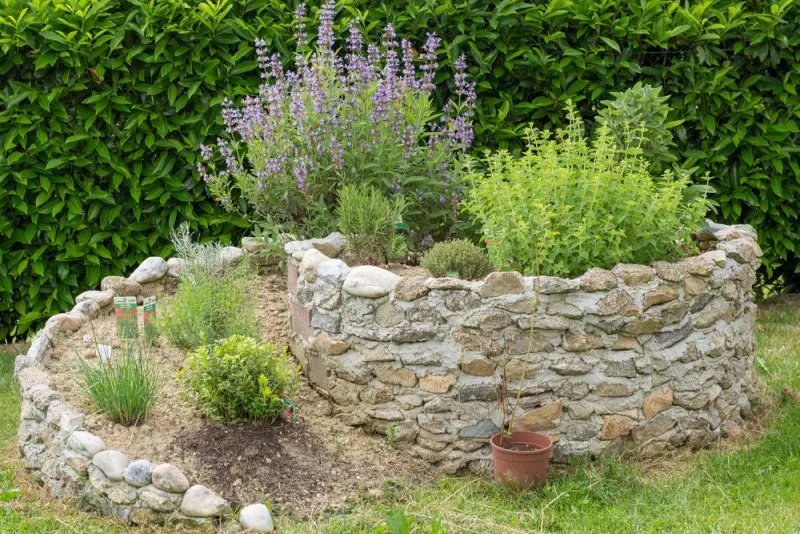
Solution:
(313, 464)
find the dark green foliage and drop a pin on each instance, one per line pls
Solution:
(457, 256)
(102, 109)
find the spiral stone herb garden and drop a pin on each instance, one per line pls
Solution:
(365, 333)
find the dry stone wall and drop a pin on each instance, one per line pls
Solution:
(650, 357)
(75, 464)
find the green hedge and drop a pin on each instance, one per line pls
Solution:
(104, 103)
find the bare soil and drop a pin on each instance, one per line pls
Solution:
(305, 467)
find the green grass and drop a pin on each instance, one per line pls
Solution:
(752, 489)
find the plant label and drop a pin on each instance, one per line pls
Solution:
(149, 315)
(127, 318)
(104, 352)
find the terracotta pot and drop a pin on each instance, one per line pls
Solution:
(521, 469)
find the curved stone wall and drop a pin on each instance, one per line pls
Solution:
(645, 357)
(73, 463)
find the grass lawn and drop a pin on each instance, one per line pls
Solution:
(755, 488)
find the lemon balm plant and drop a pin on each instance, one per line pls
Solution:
(577, 204)
(360, 116)
(240, 378)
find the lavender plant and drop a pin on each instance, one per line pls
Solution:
(362, 115)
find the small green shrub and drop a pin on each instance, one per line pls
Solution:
(639, 118)
(458, 255)
(240, 378)
(125, 387)
(367, 218)
(569, 204)
(212, 301)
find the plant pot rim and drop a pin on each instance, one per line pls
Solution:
(495, 441)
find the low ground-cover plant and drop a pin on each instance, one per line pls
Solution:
(125, 385)
(573, 204)
(364, 116)
(458, 256)
(212, 302)
(240, 378)
(368, 219)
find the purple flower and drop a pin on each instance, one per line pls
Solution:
(300, 26)
(325, 36)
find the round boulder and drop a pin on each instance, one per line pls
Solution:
(199, 501)
(256, 518)
(151, 270)
(167, 477)
(369, 282)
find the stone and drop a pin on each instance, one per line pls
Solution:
(253, 244)
(742, 250)
(542, 418)
(138, 473)
(502, 283)
(477, 366)
(571, 367)
(660, 295)
(150, 270)
(62, 416)
(671, 337)
(714, 311)
(611, 389)
(175, 267)
(256, 518)
(66, 322)
(474, 341)
(598, 280)
(169, 478)
(694, 286)
(451, 284)
(647, 325)
(671, 272)
(85, 443)
(656, 402)
(102, 298)
(369, 282)
(615, 426)
(479, 392)
(437, 383)
(331, 245)
(408, 402)
(552, 285)
(325, 344)
(159, 500)
(401, 376)
(655, 427)
(344, 393)
(410, 288)
(483, 429)
(231, 254)
(112, 463)
(516, 370)
(620, 368)
(89, 308)
(627, 343)
(705, 263)
(311, 260)
(32, 376)
(332, 271)
(377, 395)
(122, 287)
(199, 501)
(580, 341)
(388, 315)
(292, 247)
(564, 310)
(632, 274)
(458, 301)
(617, 301)
(387, 412)
(488, 320)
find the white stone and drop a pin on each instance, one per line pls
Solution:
(253, 244)
(333, 271)
(312, 259)
(138, 473)
(175, 267)
(158, 500)
(167, 477)
(297, 246)
(89, 308)
(152, 269)
(231, 254)
(102, 298)
(256, 518)
(332, 245)
(369, 282)
(112, 463)
(66, 322)
(199, 501)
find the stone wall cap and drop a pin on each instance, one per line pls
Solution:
(369, 281)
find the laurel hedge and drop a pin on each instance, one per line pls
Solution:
(104, 103)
